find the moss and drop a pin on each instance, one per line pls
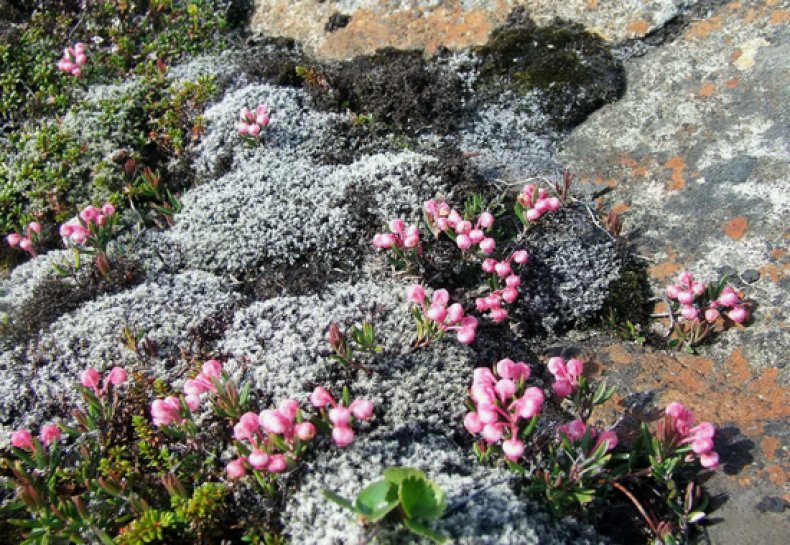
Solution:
(573, 69)
(628, 300)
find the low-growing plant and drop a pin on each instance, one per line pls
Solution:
(251, 124)
(404, 495)
(437, 318)
(357, 339)
(90, 233)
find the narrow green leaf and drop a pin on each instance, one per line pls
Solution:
(338, 499)
(424, 531)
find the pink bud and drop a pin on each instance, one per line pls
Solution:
(476, 235)
(454, 313)
(533, 214)
(505, 389)
(259, 459)
(502, 269)
(554, 203)
(288, 409)
(243, 128)
(463, 242)
(685, 279)
(246, 115)
(236, 469)
(530, 403)
(90, 378)
(463, 227)
(242, 432)
(672, 291)
(610, 436)
(411, 241)
(254, 129)
(483, 375)
(212, 369)
(384, 241)
(702, 445)
(80, 59)
(22, 439)
(487, 413)
(574, 430)
(685, 298)
(482, 394)
(704, 430)
(513, 281)
(486, 220)
(34, 226)
(197, 386)
(440, 297)
(498, 315)
(305, 431)
(108, 209)
(80, 48)
(510, 294)
(193, 402)
(436, 312)
(492, 433)
(442, 224)
(466, 335)
(557, 368)
(574, 367)
(89, 213)
(489, 265)
(273, 422)
(277, 463)
(709, 460)
(738, 314)
(562, 388)
(430, 206)
(728, 297)
(117, 376)
(361, 409)
(416, 294)
(321, 397)
(487, 246)
(454, 218)
(472, 423)
(513, 449)
(689, 312)
(711, 315)
(340, 415)
(26, 245)
(481, 303)
(397, 225)
(342, 436)
(250, 421)
(698, 288)
(14, 239)
(542, 206)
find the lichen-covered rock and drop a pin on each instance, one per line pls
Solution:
(496, 515)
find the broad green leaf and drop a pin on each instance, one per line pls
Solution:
(421, 498)
(424, 531)
(395, 475)
(376, 500)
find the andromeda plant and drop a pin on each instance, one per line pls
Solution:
(90, 233)
(434, 319)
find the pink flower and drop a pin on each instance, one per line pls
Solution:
(513, 281)
(212, 369)
(250, 422)
(14, 239)
(321, 397)
(89, 214)
(709, 460)
(503, 269)
(90, 378)
(277, 463)
(702, 445)
(672, 291)
(533, 214)
(342, 436)
(472, 423)
(259, 459)
(242, 432)
(510, 294)
(704, 429)
(340, 415)
(728, 297)
(397, 225)
(416, 294)
(22, 439)
(197, 386)
(575, 430)
(476, 236)
(689, 312)
(513, 449)
(27, 245)
(489, 265)
(685, 298)
(492, 433)
(463, 227)
(117, 376)
(530, 403)
(436, 312)
(610, 436)
(487, 413)
(562, 388)
(236, 469)
(273, 421)
(361, 409)
(440, 297)
(711, 315)
(454, 313)
(483, 375)
(193, 402)
(520, 256)
(505, 389)
(463, 242)
(738, 314)
(575, 368)
(108, 209)
(288, 409)
(498, 315)
(466, 335)
(166, 411)
(487, 245)
(305, 431)
(486, 220)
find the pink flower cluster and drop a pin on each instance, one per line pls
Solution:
(170, 410)
(264, 432)
(73, 59)
(444, 317)
(91, 378)
(690, 296)
(537, 202)
(566, 375)
(577, 429)
(252, 123)
(340, 416)
(78, 230)
(24, 439)
(443, 219)
(503, 405)
(492, 303)
(399, 236)
(26, 243)
(681, 420)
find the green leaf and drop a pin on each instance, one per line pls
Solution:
(424, 531)
(395, 475)
(376, 500)
(421, 498)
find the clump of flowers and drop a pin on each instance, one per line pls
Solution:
(504, 283)
(678, 435)
(700, 306)
(251, 124)
(339, 416)
(434, 319)
(533, 202)
(403, 241)
(27, 241)
(73, 59)
(505, 411)
(90, 232)
(443, 219)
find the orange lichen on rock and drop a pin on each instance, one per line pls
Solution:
(780, 16)
(619, 355)
(701, 29)
(738, 367)
(736, 227)
(732, 83)
(706, 89)
(639, 27)
(620, 208)
(664, 270)
(677, 164)
(773, 272)
(777, 474)
(770, 445)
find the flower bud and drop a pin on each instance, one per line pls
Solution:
(513, 449)
(486, 220)
(489, 265)
(22, 439)
(236, 469)
(277, 463)
(90, 378)
(342, 436)
(472, 423)
(502, 269)
(321, 397)
(738, 314)
(14, 239)
(709, 460)
(416, 294)
(487, 246)
(117, 376)
(361, 409)
(273, 421)
(492, 433)
(259, 459)
(305, 431)
(463, 242)
(340, 415)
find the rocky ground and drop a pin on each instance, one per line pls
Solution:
(672, 113)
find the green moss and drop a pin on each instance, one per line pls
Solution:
(626, 310)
